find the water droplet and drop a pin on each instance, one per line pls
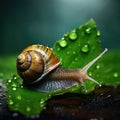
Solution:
(85, 48)
(76, 59)
(62, 43)
(9, 81)
(14, 77)
(98, 33)
(68, 52)
(19, 97)
(90, 73)
(1, 75)
(97, 66)
(88, 30)
(14, 85)
(58, 49)
(42, 101)
(14, 88)
(28, 109)
(10, 102)
(73, 35)
(74, 52)
(115, 74)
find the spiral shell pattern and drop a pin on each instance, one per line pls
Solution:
(35, 62)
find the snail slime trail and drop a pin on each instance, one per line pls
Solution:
(40, 70)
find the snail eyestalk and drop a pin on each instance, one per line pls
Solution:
(85, 69)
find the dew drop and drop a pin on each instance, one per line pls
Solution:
(62, 43)
(68, 52)
(90, 73)
(14, 77)
(85, 48)
(14, 85)
(74, 52)
(98, 33)
(73, 35)
(19, 97)
(97, 66)
(9, 81)
(1, 75)
(58, 49)
(76, 59)
(10, 102)
(14, 88)
(41, 101)
(115, 75)
(28, 109)
(88, 30)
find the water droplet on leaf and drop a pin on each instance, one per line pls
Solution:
(19, 97)
(28, 109)
(68, 52)
(41, 101)
(85, 48)
(90, 73)
(62, 43)
(73, 35)
(88, 30)
(74, 52)
(115, 74)
(9, 81)
(10, 102)
(97, 66)
(1, 75)
(14, 88)
(98, 33)
(14, 85)
(58, 49)
(76, 59)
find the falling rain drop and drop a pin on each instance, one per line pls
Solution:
(62, 43)
(115, 75)
(98, 33)
(85, 48)
(88, 30)
(73, 35)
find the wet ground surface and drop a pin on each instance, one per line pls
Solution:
(101, 104)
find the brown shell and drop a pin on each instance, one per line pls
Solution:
(35, 62)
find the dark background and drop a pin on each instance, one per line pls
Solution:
(26, 22)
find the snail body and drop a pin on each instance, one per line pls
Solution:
(40, 70)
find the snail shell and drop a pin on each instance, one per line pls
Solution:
(40, 70)
(35, 62)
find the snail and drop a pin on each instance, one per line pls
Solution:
(40, 70)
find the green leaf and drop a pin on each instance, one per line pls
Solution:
(107, 70)
(79, 46)
(24, 100)
(75, 49)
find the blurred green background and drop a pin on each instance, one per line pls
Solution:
(26, 22)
